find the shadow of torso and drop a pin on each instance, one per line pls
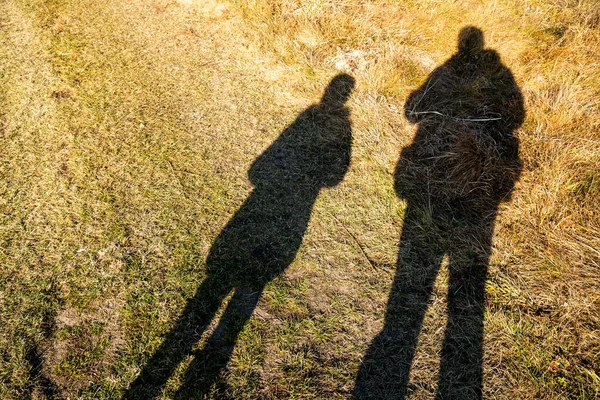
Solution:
(464, 155)
(262, 238)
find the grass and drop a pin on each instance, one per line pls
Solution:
(126, 133)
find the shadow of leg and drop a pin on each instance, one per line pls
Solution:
(213, 358)
(181, 339)
(462, 351)
(384, 373)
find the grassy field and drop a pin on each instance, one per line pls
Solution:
(133, 142)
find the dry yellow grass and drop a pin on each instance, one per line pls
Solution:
(126, 133)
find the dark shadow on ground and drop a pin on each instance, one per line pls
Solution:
(462, 163)
(39, 384)
(258, 243)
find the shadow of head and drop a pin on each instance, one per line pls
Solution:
(338, 91)
(470, 40)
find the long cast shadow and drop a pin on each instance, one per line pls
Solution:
(259, 242)
(462, 163)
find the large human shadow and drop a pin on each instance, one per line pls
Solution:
(462, 163)
(259, 242)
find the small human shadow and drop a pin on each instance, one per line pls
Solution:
(259, 242)
(462, 163)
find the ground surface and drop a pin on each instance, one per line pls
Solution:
(127, 133)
